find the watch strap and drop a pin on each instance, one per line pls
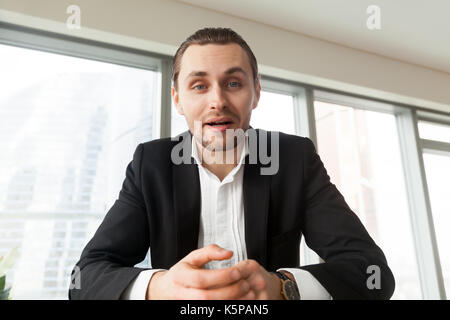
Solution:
(281, 275)
(284, 279)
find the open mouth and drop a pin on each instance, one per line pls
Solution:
(219, 123)
(220, 126)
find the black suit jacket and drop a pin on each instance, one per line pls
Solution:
(159, 208)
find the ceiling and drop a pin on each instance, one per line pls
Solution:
(414, 31)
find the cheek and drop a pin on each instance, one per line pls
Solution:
(244, 103)
(191, 106)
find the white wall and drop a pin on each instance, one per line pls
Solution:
(161, 25)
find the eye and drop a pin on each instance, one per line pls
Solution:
(199, 87)
(234, 84)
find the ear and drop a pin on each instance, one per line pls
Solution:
(257, 92)
(176, 100)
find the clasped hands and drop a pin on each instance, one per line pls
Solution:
(187, 280)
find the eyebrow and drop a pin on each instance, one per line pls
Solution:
(235, 69)
(228, 72)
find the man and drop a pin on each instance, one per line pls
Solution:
(222, 229)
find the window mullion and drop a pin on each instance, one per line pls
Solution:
(305, 122)
(419, 205)
(165, 104)
(305, 125)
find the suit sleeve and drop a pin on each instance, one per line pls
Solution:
(106, 266)
(336, 234)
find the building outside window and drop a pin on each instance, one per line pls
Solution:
(68, 129)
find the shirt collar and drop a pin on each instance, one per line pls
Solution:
(230, 176)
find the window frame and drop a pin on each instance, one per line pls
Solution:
(433, 146)
(439, 148)
(424, 236)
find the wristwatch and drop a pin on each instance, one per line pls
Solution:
(289, 288)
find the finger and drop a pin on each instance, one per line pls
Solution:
(207, 279)
(234, 291)
(253, 272)
(248, 268)
(202, 256)
(249, 296)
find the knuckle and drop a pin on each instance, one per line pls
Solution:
(260, 282)
(198, 279)
(189, 256)
(244, 287)
(212, 246)
(194, 253)
(253, 264)
(250, 295)
(177, 278)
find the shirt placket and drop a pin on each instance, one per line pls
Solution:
(222, 223)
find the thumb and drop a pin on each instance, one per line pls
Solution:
(202, 256)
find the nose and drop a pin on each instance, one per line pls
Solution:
(217, 100)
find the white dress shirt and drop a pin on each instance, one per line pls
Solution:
(222, 223)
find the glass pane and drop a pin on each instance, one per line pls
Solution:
(433, 131)
(361, 153)
(68, 129)
(274, 112)
(437, 169)
(178, 122)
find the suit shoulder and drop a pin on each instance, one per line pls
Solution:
(294, 142)
(288, 143)
(158, 144)
(158, 148)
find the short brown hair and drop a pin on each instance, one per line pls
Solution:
(212, 36)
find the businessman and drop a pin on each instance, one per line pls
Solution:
(222, 218)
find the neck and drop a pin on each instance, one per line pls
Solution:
(220, 163)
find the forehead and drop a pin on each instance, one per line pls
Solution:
(214, 58)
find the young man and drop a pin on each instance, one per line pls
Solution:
(221, 229)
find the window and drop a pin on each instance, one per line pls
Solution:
(434, 131)
(178, 122)
(68, 129)
(275, 112)
(437, 167)
(360, 150)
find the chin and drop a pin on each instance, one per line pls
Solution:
(219, 144)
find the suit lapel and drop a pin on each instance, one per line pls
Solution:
(256, 192)
(186, 200)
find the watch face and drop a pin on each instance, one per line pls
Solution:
(291, 290)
